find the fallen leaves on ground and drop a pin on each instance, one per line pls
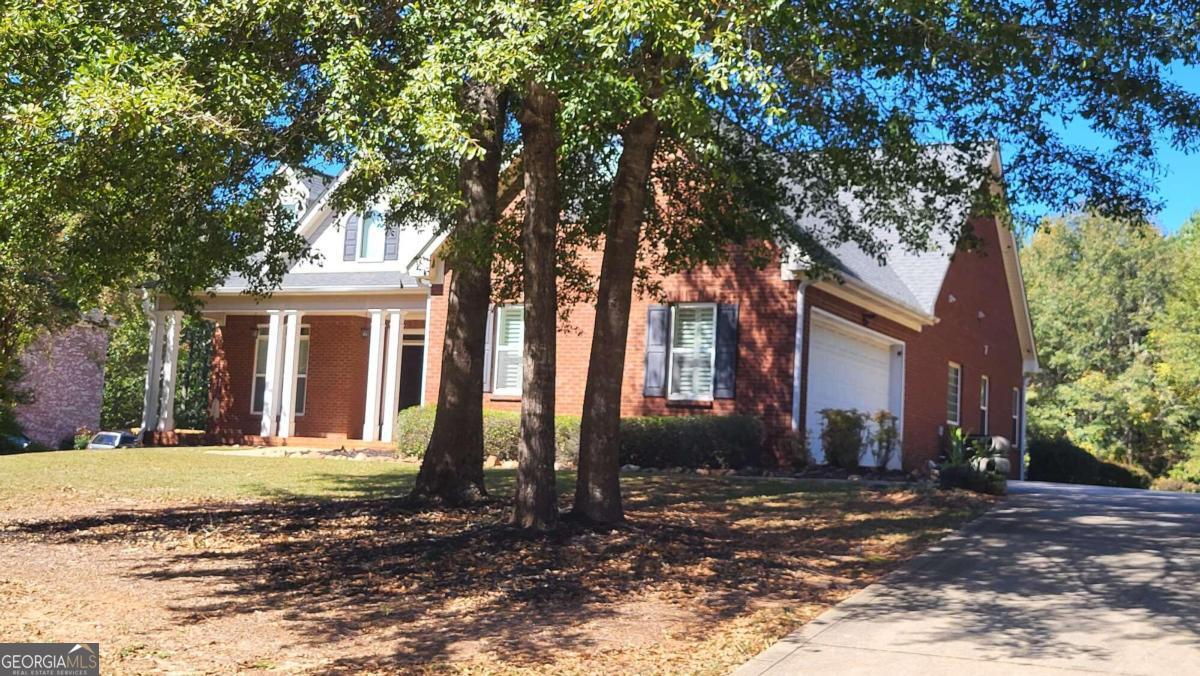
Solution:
(697, 582)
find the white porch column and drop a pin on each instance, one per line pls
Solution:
(425, 345)
(391, 375)
(291, 369)
(170, 369)
(153, 373)
(374, 368)
(798, 359)
(272, 387)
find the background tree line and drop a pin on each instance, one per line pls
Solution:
(1116, 313)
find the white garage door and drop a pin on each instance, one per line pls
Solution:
(847, 369)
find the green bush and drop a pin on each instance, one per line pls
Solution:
(844, 437)
(965, 476)
(726, 442)
(501, 433)
(1062, 461)
(669, 441)
(1171, 484)
(1187, 471)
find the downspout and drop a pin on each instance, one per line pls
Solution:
(1022, 445)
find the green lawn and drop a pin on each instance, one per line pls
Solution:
(151, 476)
(156, 475)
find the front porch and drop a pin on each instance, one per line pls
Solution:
(295, 370)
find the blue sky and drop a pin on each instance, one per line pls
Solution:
(1179, 188)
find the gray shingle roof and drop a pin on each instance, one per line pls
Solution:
(912, 278)
(316, 184)
(330, 281)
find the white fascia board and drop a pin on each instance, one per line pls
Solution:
(867, 298)
(1016, 280)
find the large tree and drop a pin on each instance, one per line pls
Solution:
(137, 145)
(840, 97)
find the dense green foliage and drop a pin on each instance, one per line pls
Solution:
(726, 441)
(1116, 313)
(732, 441)
(501, 433)
(973, 479)
(843, 437)
(125, 371)
(137, 145)
(1062, 461)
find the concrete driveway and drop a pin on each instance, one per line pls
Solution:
(1057, 578)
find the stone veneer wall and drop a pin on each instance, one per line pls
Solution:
(64, 374)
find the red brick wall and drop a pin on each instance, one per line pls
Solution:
(766, 323)
(767, 311)
(977, 281)
(337, 377)
(64, 374)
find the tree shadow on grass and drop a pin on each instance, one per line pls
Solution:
(423, 583)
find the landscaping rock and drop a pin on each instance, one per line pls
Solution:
(704, 471)
(629, 468)
(360, 456)
(509, 464)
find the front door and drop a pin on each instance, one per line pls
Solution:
(411, 362)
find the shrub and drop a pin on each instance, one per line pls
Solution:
(842, 438)
(668, 441)
(1187, 471)
(791, 450)
(501, 433)
(965, 476)
(886, 438)
(726, 442)
(1062, 461)
(1171, 484)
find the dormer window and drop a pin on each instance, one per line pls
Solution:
(371, 237)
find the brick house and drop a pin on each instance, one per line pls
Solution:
(938, 338)
(63, 373)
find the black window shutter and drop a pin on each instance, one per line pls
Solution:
(725, 377)
(391, 244)
(658, 323)
(351, 246)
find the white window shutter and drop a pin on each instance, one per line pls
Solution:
(487, 349)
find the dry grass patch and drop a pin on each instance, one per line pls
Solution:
(708, 572)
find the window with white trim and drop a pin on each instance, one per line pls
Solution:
(1016, 416)
(953, 394)
(295, 208)
(509, 341)
(371, 237)
(260, 371)
(693, 351)
(985, 391)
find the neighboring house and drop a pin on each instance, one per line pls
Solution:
(64, 376)
(938, 338)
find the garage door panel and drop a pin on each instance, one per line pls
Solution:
(846, 370)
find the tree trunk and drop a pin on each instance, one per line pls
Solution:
(452, 469)
(536, 504)
(598, 486)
